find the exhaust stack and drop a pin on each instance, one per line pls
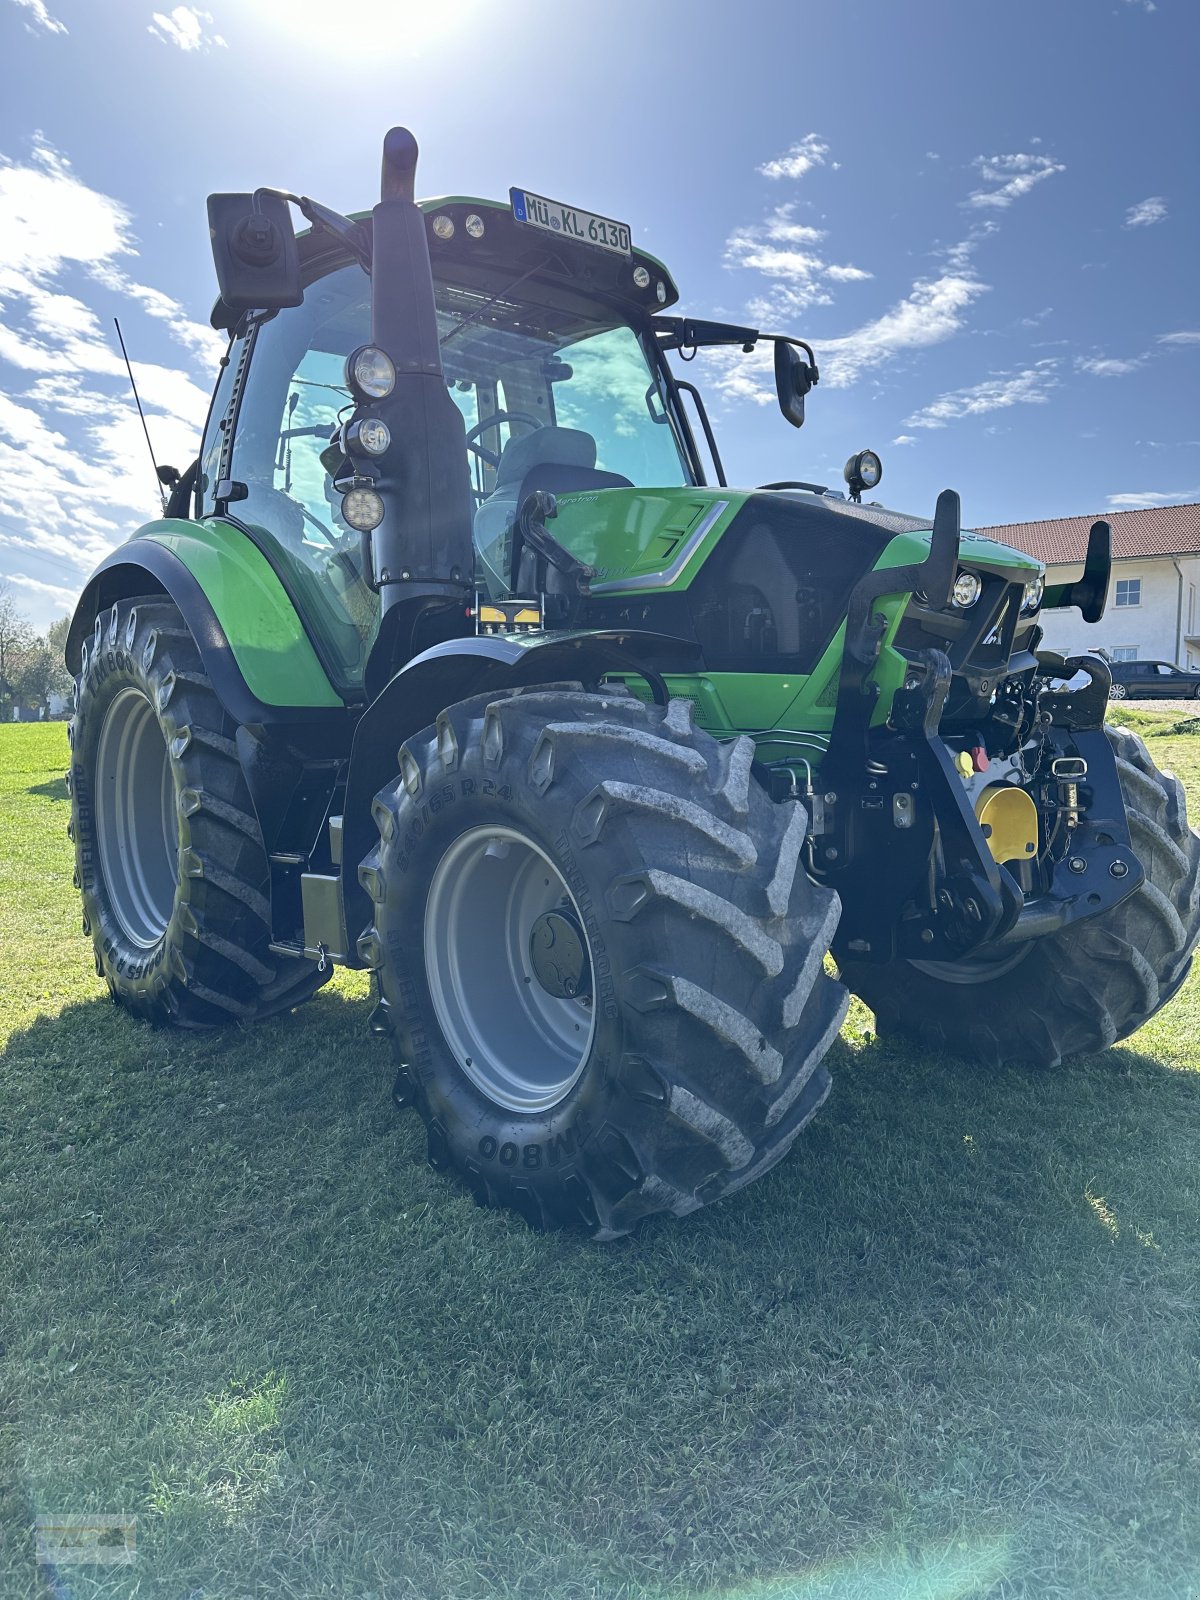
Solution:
(422, 552)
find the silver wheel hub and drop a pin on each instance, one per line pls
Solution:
(509, 969)
(137, 821)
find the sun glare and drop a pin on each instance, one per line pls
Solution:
(399, 30)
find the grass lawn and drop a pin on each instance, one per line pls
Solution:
(949, 1350)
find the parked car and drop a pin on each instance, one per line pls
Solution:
(1153, 680)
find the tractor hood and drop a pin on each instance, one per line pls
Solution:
(661, 539)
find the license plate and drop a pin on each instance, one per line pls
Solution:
(569, 222)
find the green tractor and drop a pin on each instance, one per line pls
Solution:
(455, 657)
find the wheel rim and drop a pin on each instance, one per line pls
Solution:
(137, 823)
(504, 946)
(1117, 691)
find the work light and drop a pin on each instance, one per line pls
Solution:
(370, 372)
(363, 509)
(863, 471)
(368, 436)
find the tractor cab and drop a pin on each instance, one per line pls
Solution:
(553, 364)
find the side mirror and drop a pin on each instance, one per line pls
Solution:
(254, 251)
(793, 380)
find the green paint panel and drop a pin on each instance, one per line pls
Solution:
(630, 535)
(975, 551)
(266, 636)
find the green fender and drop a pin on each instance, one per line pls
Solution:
(233, 601)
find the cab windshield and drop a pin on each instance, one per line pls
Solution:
(540, 389)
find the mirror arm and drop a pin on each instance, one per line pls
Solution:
(333, 222)
(814, 375)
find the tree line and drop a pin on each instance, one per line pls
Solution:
(32, 670)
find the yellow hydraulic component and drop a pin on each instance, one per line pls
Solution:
(1009, 821)
(509, 616)
(964, 764)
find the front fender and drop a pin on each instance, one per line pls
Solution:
(457, 669)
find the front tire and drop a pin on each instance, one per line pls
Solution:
(600, 957)
(1079, 990)
(169, 859)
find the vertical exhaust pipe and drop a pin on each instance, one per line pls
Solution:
(422, 551)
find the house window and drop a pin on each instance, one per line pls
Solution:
(1124, 652)
(1129, 592)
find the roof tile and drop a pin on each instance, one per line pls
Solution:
(1157, 531)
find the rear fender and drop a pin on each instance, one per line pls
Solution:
(291, 721)
(254, 646)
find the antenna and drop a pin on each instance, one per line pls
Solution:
(162, 498)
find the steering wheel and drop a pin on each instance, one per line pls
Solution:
(490, 456)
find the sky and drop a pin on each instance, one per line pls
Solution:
(985, 218)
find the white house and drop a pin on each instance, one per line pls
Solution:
(1153, 610)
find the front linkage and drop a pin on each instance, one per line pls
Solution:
(900, 823)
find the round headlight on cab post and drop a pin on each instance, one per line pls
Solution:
(362, 509)
(863, 471)
(370, 372)
(967, 589)
(368, 436)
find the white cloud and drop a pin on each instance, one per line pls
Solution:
(63, 599)
(905, 438)
(775, 248)
(998, 391)
(1013, 175)
(47, 217)
(930, 313)
(75, 417)
(848, 274)
(1150, 498)
(1187, 336)
(1108, 366)
(1142, 5)
(186, 28)
(1146, 212)
(41, 18)
(798, 159)
(203, 340)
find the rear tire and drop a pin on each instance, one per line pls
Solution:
(574, 842)
(169, 858)
(1080, 990)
